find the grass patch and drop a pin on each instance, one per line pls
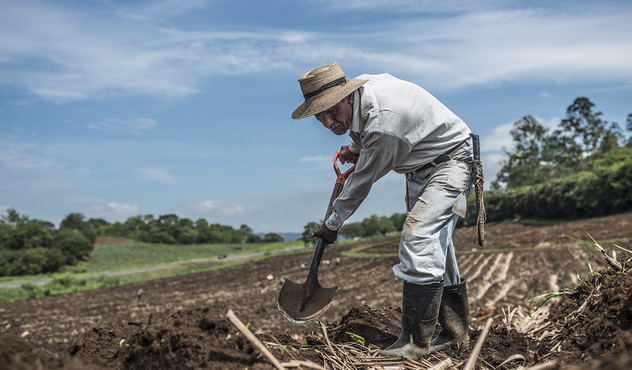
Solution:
(122, 256)
(156, 260)
(66, 284)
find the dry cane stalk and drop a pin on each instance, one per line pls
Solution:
(479, 344)
(244, 330)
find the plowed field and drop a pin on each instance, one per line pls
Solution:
(180, 323)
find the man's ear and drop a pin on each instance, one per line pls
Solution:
(351, 98)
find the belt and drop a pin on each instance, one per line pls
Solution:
(442, 158)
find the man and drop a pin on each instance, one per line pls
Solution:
(397, 125)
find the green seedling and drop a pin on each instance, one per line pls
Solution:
(612, 261)
(121, 342)
(547, 297)
(356, 338)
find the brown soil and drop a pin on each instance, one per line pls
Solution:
(180, 322)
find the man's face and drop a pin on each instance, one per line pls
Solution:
(338, 118)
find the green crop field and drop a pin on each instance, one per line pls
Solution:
(125, 261)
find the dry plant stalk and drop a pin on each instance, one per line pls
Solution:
(230, 315)
(469, 365)
(355, 356)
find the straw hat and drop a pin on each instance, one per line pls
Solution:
(324, 87)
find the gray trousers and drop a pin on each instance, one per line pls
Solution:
(436, 197)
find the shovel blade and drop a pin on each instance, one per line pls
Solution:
(300, 302)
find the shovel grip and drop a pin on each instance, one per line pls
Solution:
(340, 183)
(334, 194)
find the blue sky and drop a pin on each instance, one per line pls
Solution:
(121, 108)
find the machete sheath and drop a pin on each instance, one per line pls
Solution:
(478, 181)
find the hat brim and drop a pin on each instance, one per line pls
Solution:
(326, 99)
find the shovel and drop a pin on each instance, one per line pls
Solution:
(302, 302)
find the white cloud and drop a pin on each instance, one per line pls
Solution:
(233, 211)
(112, 211)
(67, 54)
(157, 174)
(132, 126)
(84, 199)
(205, 207)
(492, 163)
(315, 159)
(24, 157)
(123, 209)
(58, 95)
(500, 138)
(400, 6)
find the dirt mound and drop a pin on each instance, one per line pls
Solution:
(189, 339)
(377, 326)
(23, 354)
(596, 319)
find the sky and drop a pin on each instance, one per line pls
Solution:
(115, 108)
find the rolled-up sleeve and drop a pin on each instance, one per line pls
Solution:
(380, 154)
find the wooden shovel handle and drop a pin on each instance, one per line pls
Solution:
(340, 183)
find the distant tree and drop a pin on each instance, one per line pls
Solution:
(249, 236)
(160, 237)
(76, 221)
(30, 235)
(37, 260)
(584, 125)
(272, 238)
(187, 235)
(562, 152)
(46, 225)
(377, 225)
(523, 165)
(73, 244)
(308, 229)
(537, 156)
(203, 231)
(135, 228)
(115, 229)
(253, 238)
(398, 220)
(97, 223)
(609, 141)
(628, 126)
(13, 218)
(185, 222)
(351, 230)
(73, 221)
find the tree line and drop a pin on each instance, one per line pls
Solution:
(580, 168)
(31, 246)
(370, 226)
(171, 229)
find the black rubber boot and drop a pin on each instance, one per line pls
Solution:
(420, 309)
(454, 317)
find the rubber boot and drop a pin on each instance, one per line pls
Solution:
(420, 309)
(454, 317)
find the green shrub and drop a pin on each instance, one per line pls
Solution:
(73, 244)
(605, 187)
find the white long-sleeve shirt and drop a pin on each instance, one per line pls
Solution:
(398, 126)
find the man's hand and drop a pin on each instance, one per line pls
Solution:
(347, 156)
(329, 235)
